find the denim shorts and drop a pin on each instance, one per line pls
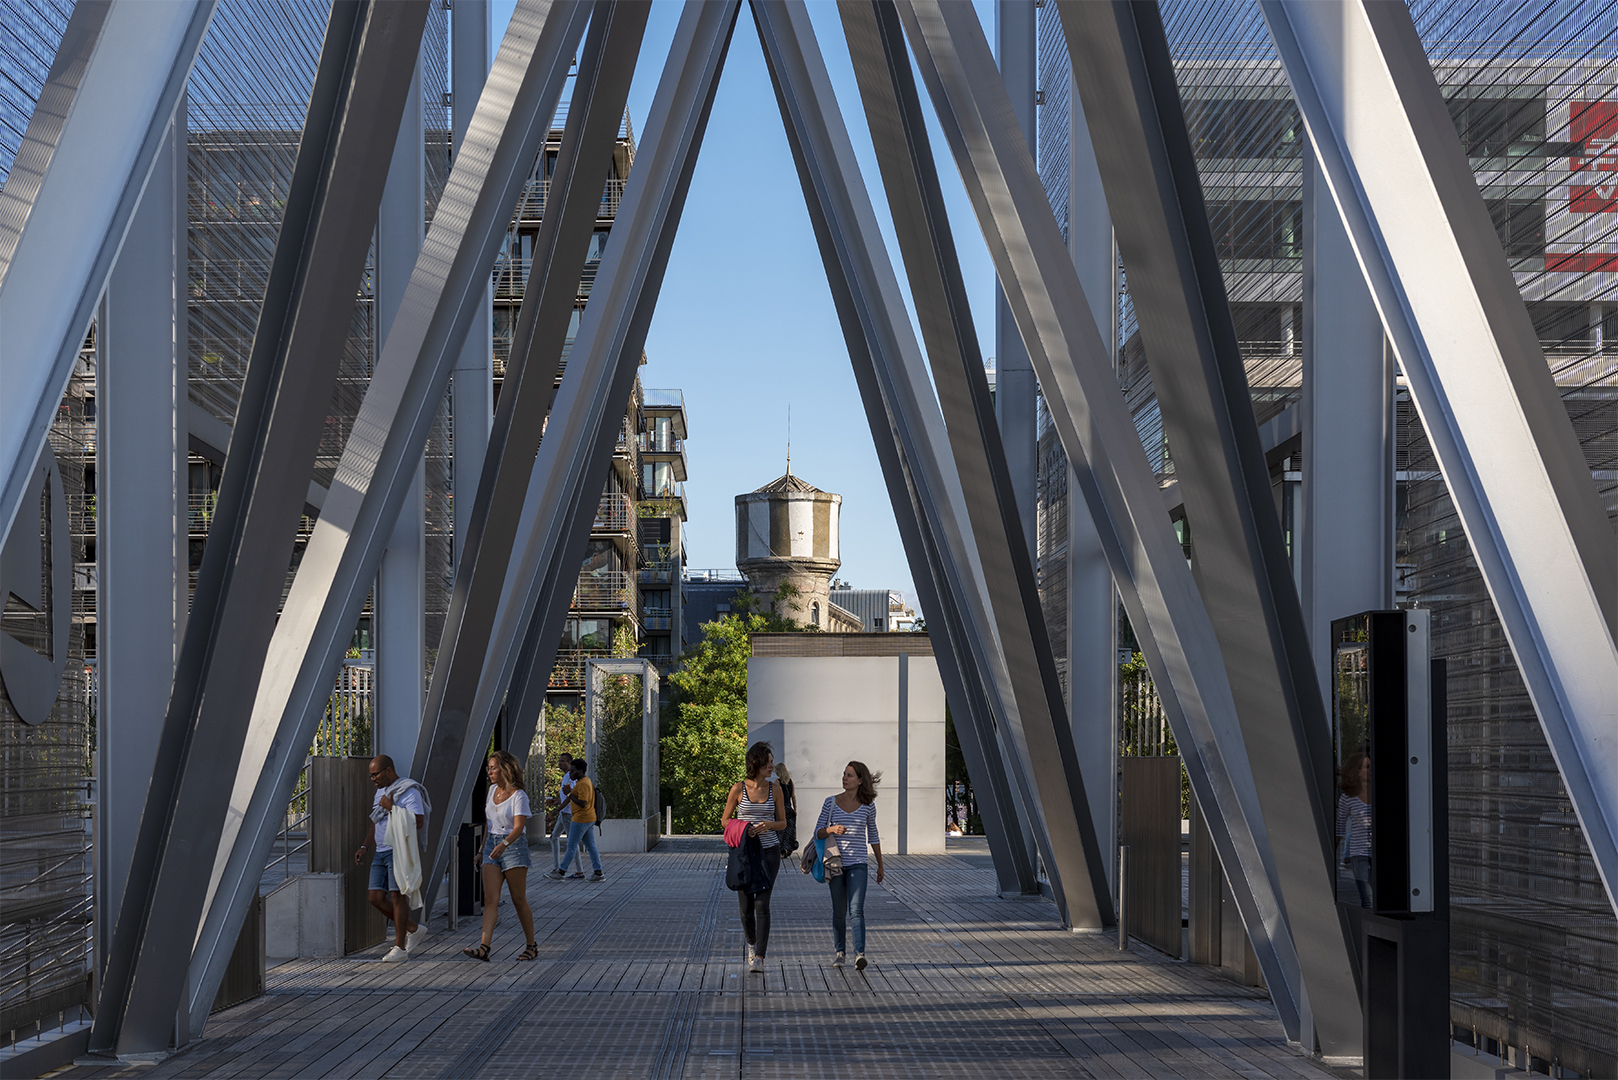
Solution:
(382, 872)
(514, 857)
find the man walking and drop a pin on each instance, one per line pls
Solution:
(582, 828)
(564, 818)
(393, 790)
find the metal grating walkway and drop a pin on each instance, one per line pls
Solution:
(644, 976)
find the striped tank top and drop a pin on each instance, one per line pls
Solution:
(748, 810)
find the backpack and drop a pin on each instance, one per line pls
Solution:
(601, 809)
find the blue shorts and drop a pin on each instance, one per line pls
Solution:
(512, 858)
(382, 872)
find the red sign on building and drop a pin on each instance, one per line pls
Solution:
(1593, 128)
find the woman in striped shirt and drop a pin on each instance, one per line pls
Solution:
(851, 817)
(1354, 825)
(759, 800)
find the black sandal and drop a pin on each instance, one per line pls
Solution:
(530, 953)
(479, 953)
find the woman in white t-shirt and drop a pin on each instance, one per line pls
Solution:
(505, 852)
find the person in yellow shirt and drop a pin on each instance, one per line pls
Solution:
(582, 830)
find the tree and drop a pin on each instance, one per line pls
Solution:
(956, 780)
(704, 752)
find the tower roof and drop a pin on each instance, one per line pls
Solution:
(787, 483)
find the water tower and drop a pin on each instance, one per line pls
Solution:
(786, 534)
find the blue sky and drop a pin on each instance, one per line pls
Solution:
(745, 323)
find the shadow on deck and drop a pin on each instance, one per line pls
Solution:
(644, 975)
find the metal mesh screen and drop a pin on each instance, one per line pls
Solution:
(1534, 947)
(45, 823)
(30, 31)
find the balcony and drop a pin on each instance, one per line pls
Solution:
(606, 591)
(669, 403)
(511, 278)
(614, 514)
(535, 193)
(664, 447)
(658, 618)
(568, 674)
(660, 566)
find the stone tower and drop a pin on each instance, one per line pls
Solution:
(786, 534)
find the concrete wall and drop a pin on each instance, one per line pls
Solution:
(820, 712)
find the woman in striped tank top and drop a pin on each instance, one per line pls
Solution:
(851, 817)
(759, 800)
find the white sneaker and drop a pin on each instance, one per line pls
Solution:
(416, 937)
(751, 954)
(755, 964)
(859, 962)
(837, 961)
(396, 954)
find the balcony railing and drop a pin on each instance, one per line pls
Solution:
(535, 194)
(651, 443)
(657, 618)
(568, 674)
(604, 590)
(614, 514)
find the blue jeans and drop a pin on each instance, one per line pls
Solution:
(559, 841)
(848, 906)
(582, 832)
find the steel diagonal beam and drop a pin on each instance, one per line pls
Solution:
(1125, 76)
(1477, 374)
(353, 118)
(910, 179)
(565, 485)
(1087, 408)
(582, 165)
(906, 424)
(507, 129)
(83, 163)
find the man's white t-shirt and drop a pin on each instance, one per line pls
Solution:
(409, 799)
(567, 789)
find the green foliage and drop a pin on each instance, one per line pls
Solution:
(702, 757)
(715, 671)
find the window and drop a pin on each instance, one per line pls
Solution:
(657, 479)
(1521, 226)
(1244, 127)
(1506, 123)
(814, 614)
(1257, 228)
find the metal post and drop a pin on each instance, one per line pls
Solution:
(472, 386)
(1123, 897)
(1125, 76)
(1081, 389)
(1016, 390)
(383, 451)
(141, 517)
(907, 430)
(401, 579)
(565, 481)
(508, 469)
(365, 68)
(1477, 374)
(64, 210)
(1092, 598)
(1035, 724)
(1346, 554)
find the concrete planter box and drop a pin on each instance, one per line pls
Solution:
(628, 835)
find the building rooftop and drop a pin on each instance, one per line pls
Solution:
(788, 483)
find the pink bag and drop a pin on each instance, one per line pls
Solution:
(735, 832)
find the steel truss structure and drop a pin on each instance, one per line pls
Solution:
(1226, 645)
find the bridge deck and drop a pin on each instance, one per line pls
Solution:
(643, 976)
